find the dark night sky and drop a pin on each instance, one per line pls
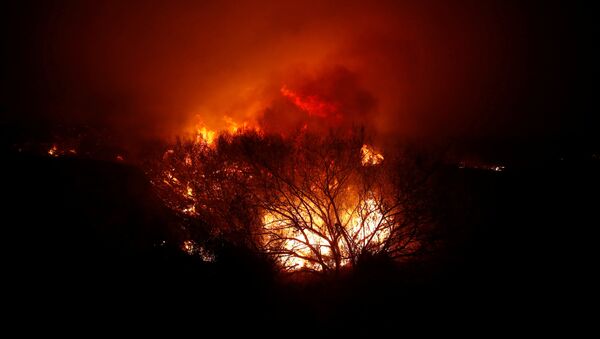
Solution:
(498, 70)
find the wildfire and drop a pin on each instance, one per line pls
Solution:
(364, 224)
(369, 157)
(317, 208)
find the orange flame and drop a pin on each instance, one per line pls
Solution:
(369, 157)
(204, 134)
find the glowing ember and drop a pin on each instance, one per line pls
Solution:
(369, 157)
(188, 247)
(171, 178)
(53, 151)
(311, 104)
(167, 154)
(192, 248)
(481, 166)
(191, 210)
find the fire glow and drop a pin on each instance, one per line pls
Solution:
(319, 203)
(315, 197)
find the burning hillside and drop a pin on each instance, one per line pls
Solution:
(334, 167)
(310, 201)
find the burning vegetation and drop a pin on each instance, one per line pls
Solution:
(311, 202)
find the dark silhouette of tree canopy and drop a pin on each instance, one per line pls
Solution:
(311, 202)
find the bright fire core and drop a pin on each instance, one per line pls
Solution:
(365, 226)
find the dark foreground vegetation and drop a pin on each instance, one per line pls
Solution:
(88, 242)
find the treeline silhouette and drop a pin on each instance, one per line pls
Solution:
(87, 234)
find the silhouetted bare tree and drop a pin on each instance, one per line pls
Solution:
(312, 202)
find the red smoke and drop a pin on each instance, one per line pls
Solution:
(153, 69)
(311, 104)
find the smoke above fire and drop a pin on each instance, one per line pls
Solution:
(161, 69)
